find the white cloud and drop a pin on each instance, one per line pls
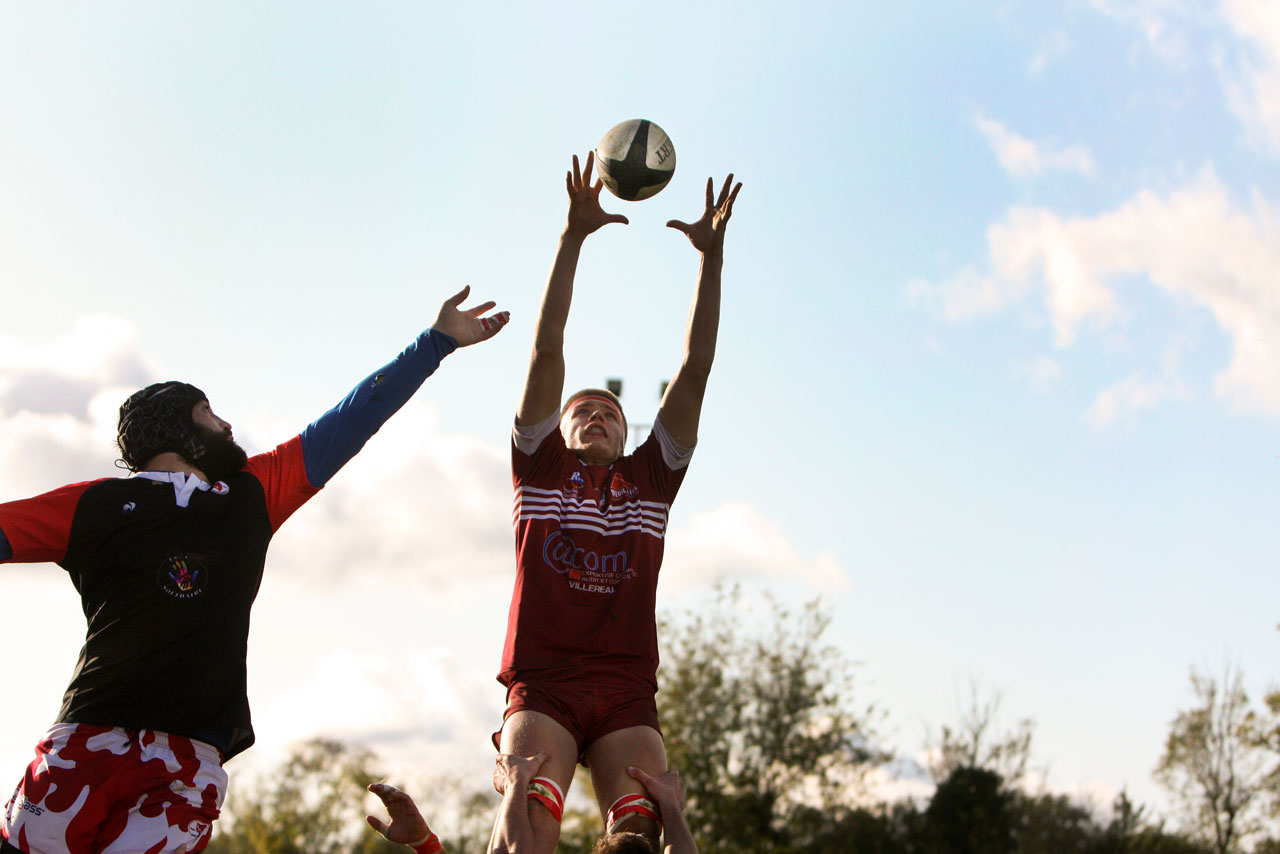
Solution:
(415, 503)
(1250, 69)
(1041, 373)
(1023, 158)
(1033, 246)
(1057, 45)
(1159, 21)
(59, 399)
(1125, 399)
(1193, 244)
(901, 780)
(736, 541)
(968, 294)
(1253, 85)
(62, 375)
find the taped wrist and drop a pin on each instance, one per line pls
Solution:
(547, 792)
(429, 844)
(629, 805)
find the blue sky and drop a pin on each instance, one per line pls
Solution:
(999, 358)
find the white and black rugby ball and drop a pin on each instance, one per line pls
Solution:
(635, 159)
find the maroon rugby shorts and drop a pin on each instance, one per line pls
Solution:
(589, 704)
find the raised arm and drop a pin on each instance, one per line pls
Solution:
(682, 405)
(545, 381)
(330, 441)
(668, 792)
(512, 832)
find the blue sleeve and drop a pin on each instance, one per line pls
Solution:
(338, 435)
(6, 551)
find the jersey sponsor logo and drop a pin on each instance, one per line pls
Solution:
(183, 577)
(592, 588)
(220, 488)
(619, 488)
(21, 802)
(129, 507)
(573, 488)
(588, 570)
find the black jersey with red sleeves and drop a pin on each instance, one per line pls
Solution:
(589, 545)
(166, 591)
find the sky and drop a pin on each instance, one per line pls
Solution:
(998, 375)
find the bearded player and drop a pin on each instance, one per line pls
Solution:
(581, 653)
(167, 563)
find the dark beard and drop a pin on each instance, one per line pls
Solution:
(221, 456)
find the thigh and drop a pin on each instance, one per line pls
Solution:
(608, 758)
(524, 733)
(67, 791)
(179, 786)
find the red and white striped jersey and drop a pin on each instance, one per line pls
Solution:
(589, 544)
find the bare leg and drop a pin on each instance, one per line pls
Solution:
(608, 758)
(524, 734)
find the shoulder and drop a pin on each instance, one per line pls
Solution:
(660, 444)
(70, 495)
(528, 438)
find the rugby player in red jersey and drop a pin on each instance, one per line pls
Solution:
(581, 653)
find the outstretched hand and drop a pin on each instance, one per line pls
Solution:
(407, 824)
(707, 234)
(468, 326)
(585, 213)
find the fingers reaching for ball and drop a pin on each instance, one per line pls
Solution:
(707, 233)
(585, 213)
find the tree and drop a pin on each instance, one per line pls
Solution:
(975, 743)
(761, 724)
(1213, 762)
(971, 812)
(315, 801)
(1269, 742)
(1053, 823)
(1130, 832)
(312, 804)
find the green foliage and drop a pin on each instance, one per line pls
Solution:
(761, 725)
(971, 813)
(1130, 833)
(580, 827)
(974, 741)
(1269, 743)
(312, 805)
(1213, 763)
(1053, 823)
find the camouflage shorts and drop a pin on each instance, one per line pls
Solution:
(110, 790)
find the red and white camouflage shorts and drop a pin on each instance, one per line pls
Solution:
(111, 790)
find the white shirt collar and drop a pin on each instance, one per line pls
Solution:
(184, 485)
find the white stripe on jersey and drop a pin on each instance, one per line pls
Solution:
(646, 517)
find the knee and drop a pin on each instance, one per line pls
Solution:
(546, 809)
(546, 830)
